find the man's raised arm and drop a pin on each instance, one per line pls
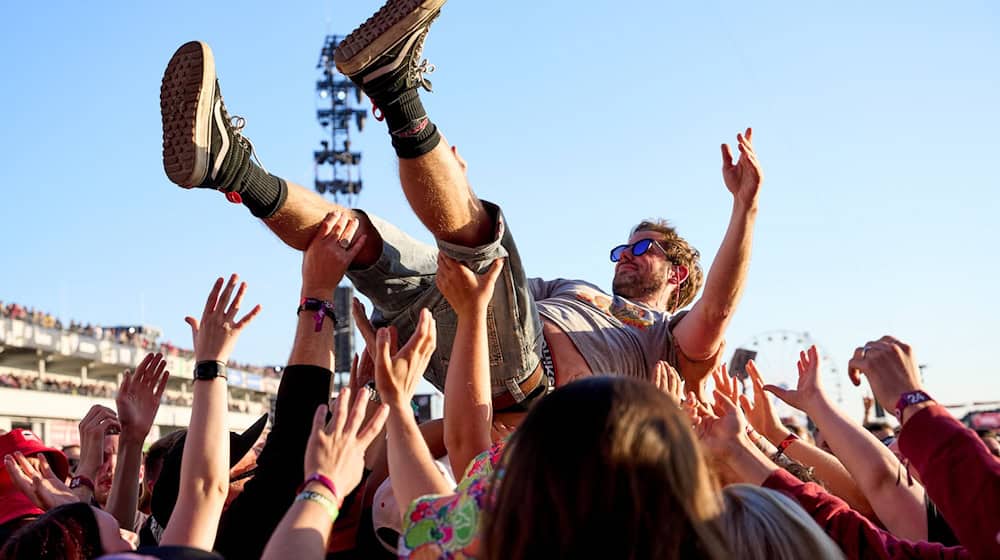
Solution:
(701, 332)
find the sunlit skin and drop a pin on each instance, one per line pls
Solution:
(645, 279)
(106, 473)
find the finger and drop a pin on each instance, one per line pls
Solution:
(126, 385)
(428, 342)
(213, 297)
(727, 157)
(161, 385)
(357, 415)
(856, 365)
(248, 317)
(493, 273)
(194, 326)
(352, 379)
(723, 401)
(748, 134)
(778, 392)
(361, 320)
(44, 469)
(234, 307)
(158, 374)
(350, 230)
(319, 418)
(746, 405)
(336, 424)
(226, 293)
(20, 478)
(356, 246)
(144, 364)
(374, 426)
(339, 226)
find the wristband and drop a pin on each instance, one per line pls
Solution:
(910, 398)
(207, 370)
(80, 480)
(322, 308)
(326, 503)
(325, 481)
(785, 443)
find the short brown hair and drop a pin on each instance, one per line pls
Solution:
(679, 251)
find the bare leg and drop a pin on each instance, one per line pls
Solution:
(296, 221)
(439, 193)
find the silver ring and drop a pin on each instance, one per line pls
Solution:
(864, 351)
(344, 243)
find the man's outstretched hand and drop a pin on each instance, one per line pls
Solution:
(744, 177)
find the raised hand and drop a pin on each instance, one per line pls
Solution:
(398, 372)
(139, 396)
(362, 373)
(467, 292)
(721, 428)
(216, 334)
(40, 484)
(809, 391)
(759, 412)
(336, 448)
(726, 384)
(99, 422)
(330, 252)
(666, 379)
(890, 367)
(743, 178)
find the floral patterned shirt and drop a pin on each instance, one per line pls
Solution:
(438, 526)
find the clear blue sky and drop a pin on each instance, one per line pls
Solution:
(876, 124)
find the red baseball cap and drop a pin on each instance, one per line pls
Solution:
(13, 503)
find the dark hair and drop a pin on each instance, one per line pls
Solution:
(877, 426)
(603, 467)
(68, 532)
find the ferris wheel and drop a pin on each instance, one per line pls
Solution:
(776, 354)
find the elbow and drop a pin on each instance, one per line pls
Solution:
(212, 490)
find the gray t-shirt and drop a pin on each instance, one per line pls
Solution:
(614, 335)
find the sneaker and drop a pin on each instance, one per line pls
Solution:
(382, 56)
(202, 145)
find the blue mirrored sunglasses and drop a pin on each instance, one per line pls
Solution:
(638, 248)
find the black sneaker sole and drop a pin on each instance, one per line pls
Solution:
(186, 95)
(382, 31)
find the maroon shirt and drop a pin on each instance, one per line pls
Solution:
(960, 475)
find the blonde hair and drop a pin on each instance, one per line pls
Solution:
(763, 524)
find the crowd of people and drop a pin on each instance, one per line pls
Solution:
(104, 390)
(131, 336)
(577, 424)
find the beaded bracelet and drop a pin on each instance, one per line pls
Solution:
(326, 503)
(322, 479)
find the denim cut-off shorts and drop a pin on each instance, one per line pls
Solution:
(402, 283)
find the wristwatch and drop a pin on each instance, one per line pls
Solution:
(910, 398)
(79, 480)
(208, 370)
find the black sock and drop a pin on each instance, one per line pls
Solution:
(413, 133)
(262, 192)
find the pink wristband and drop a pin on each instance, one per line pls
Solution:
(325, 481)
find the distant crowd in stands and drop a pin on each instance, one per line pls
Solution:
(131, 336)
(96, 389)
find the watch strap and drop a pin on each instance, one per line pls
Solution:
(207, 370)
